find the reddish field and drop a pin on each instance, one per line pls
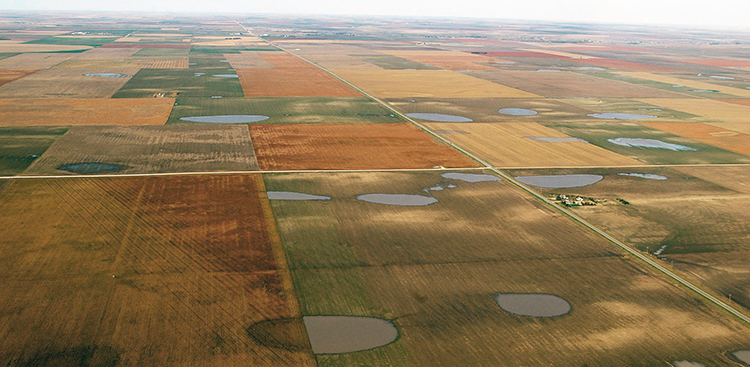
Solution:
(9, 75)
(291, 77)
(719, 63)
(158, 271)
(742, 102)
(630, 66)
(709, 134)
(350, 146)
(145, 45)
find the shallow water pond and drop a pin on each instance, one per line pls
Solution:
(560, 181)
(225, 119)
(346, 334)
(649, 143)
(517, 112)
(398, 199)
(290, 195)
(533, 304)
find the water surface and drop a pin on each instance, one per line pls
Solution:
(621, 116)
(290, 195)
(517, 112)
(471, 177)
(346, 334)
(649, 143)
(552, 139)
(226, 119)
(560, 181)
(533, 304)
(644, 175)
(398, 199)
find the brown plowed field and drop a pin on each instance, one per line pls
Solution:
(34, 60)
(569, 84)
(450, 60)
(158, 271)
(149, 149)
(68, 83)
(9, 75)
(350, 146)
(709, 134)
(291, 77)
(84, 111)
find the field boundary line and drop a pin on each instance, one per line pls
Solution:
(568, 213)
(203, 173)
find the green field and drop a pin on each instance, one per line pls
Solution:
(664, 86)
(598, 133)
(287, 110)
(216, 50)
(181, 82)
(434, 271)
(20, 146)
(83, 41)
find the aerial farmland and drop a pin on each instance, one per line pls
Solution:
(247, 190)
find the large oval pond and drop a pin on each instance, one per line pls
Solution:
(439, 117)
(398, 199)
(517, 112)
(290, 195)
(346, 334)
(621, 116)
(225, 119)
(649, 143)
(533, 304)
(560, 181)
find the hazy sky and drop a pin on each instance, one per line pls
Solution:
(722, 13)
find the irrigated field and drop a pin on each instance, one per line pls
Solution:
(434, 271)
(569, 84)
(140, 271)
(202, 82)
(512, 145)
(291, 77)
(725, 115)
(287, 110)
(146, 149)
(350, 146)
(83, 111)
(20, 146)
(69, 83)
(427, 83)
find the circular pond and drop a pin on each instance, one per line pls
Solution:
(439, 117)
(533, 304)
(621, 116)
(398, 199)
(560, 181)
(517, 112)
(346, 334)
(225, 119)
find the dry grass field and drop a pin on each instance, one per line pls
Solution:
(692, 84)
(570, 84)
(727, 115)
(508, 145)
(140, 271)
(699, 220)
(14, 46)
(291, 77)
(129, 64)
(9, 75)
(434, 271)
(147, 149)
(34, 60)
(351, 146)
(336, 56)
(486, 109)
(449, 60)
(102, 53)
(68, 83)
(709, 134)
(247, 60)
(427, 83)
(84, 111)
